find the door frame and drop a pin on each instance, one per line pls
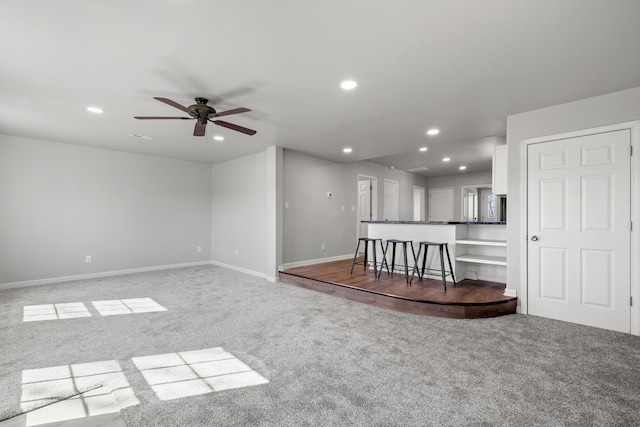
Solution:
(634, 128)
(374, 199)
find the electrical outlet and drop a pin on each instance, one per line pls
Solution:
(199, 249)
(236, 251)
(323, 246)
(87, 258)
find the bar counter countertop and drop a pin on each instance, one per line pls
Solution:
(437, 222)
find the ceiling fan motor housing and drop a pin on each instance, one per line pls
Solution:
(201, 109)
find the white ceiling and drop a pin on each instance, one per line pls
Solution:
(461, 66)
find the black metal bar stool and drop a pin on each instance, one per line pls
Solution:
(366, 241)
(404, 243)
(440, 246)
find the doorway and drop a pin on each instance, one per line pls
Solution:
(478, 203)
(390, 200)
(367, 202)
(418, 203)
(578, 214)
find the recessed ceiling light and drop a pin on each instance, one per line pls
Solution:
(462, 168)
(433, 132)
(347, 150)
(218, 138)
(423, 149)
(446, 159)
(95, 110)
(349, 84)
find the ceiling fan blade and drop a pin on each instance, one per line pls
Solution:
(162, 118)
(173, 104)
(228, 112)
(234, 127)
(200, 128)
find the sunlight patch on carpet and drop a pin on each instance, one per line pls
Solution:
(47, 386)
(32, 313)
(190, 373)
(127, 306)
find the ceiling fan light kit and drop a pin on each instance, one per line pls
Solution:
(202, 113)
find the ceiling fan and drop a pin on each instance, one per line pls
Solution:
(203, 113)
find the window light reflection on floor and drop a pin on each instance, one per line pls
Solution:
(109, 391)
(190, 373)
(127, 306)
(69, 310)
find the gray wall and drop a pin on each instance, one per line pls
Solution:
(239, 213)
(406, 181)
(312, 219)
(61, 202)
(618, 107)
(457, 182)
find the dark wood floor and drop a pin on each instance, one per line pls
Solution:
(469, 299)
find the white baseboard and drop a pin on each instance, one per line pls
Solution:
(97, 275)
(242, 270)
(314, 261)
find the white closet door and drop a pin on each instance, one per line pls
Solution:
(390, 200)
(579, 237)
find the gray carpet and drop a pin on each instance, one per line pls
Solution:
(329, 361)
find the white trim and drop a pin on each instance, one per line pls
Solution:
(314, 261)
(635, 232)
(52, 280)
(634, 128)
(524, 218)
(509, 292)
(243, 270)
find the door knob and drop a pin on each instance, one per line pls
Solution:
(534, 238)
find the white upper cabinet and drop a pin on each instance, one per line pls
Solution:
(499, 170)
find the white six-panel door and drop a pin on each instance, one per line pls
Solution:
(578, 229)
(364, 205)
(390, 200)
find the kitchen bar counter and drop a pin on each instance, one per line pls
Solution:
(478, 249)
